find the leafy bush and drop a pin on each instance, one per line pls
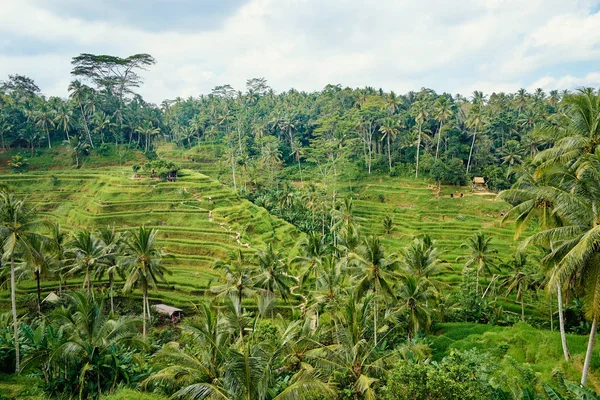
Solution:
(18, 163)
(460, 376)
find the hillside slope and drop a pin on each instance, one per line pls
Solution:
(199, 220)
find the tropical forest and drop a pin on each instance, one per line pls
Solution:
(341, 243)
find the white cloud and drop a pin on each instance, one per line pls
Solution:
(397, 44)
(566, 82)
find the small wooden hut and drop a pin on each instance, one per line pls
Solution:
(175, 314)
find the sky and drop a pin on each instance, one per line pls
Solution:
(447, 45)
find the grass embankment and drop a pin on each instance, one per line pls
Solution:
(538, 349)
(413, 204)
(199, 220)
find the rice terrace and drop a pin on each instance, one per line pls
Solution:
(406, 209)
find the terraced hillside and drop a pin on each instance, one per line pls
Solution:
(416, 209)
(413, 205)
(199, 220)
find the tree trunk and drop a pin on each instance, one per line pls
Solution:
(144, 314)
(87, 128)
(13, 302)
(437, 148)
(389, 152)
(300, 169)
(48, 135)
(233, 172)
(112, 303)
(86, 280)
(375, 317)
(561, 324)
(39, 291)
(418, 150)
(590, 350)
(471, 152)
(522, 308)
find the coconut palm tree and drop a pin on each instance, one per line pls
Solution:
(63, 115)
(482, 257)
(17, 223)
(375, 273)
(423, 259)
(213, 366)
(576, 256)
(113, 243)
(39, 261)
(239, 277)
(272, 276)
(143, 259)
(93, 340)
(352, 354)
(442, 113)
(44, 118)
(580, 134)
(78, 93)
(476, 121)
(520, 280)
(389, 130)
(86, 254)
(414, 295)
(420, 114)
(533, 204)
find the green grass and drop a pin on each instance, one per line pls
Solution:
(198, 219)
(539, 349)
(128, 394)
(20, 387)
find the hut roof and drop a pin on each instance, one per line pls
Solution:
(51, 298)
(165, 309)
(479, 179)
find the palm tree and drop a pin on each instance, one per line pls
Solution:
(113, 243)
(87, 253)
(520, 280)
(272, 276)
(148, 130)
(344, 222)
(375, 272)
(57, 239)
(78, 93)
(580, 134)
(63, 117)
(44, 119)
(103, 123)
(413, 296)
(389, 129)
(512, 153)
(531, 196)
(39, 260)
(574, 196)
(212, 366)
(481, 255)
(239, 277)
(442, 113)
(422, 259)
(143, 258)
(476, 121)
(420, 114)
(92, 341)
(351, 354)
(17, 224)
